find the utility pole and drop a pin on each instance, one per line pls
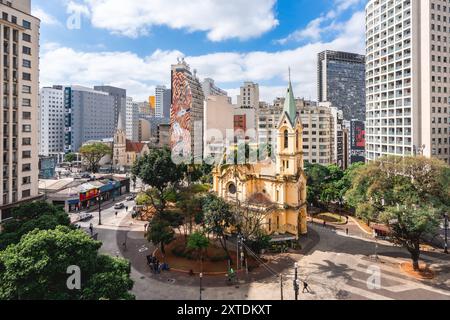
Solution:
(296, 285)
(99, 198)
(201, 277)
(446, 233)
(281, 286)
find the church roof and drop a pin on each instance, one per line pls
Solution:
(135, 147)
(290, 107)
(259, 199)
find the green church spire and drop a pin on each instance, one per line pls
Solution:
(290, 107)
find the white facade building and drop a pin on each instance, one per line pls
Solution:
(249, 97)
(51, 124)
(132, 120)
(407, 78)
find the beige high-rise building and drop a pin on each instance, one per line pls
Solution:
(323, 135)
(19, 104)
(408, 78)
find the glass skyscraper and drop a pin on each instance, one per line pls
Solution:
(341, 81)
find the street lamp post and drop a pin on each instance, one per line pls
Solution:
(446, 233)
(296, 286)
(99, 199)
(281, 286)
(201, 277)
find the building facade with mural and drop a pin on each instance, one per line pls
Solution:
(186, 114)
(274, 187)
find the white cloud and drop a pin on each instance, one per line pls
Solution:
(242, 19)
(139, 75)
(45, 17)
(326, 23)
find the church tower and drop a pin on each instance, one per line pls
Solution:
(289, 151)
(120, 144)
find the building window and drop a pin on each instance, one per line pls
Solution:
(26, 24)
(286, 139)
(26, 63)
(26, 180)
(232, 188)
(26, 50)
(26, 167)
(26, 128)
(26, 37)
(26, 193)
(26, 76)
(26, 154)
(26, 89)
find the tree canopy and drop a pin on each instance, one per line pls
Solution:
(93, 153)
(37, 266)
(27, 217)
(409, 194)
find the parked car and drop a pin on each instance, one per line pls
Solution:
(86, 175)
(85, 216)
(119, 206)
(131, 197)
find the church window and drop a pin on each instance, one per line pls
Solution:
(232, 188)
(286, 139)
(296, 139)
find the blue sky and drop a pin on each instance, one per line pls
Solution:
(132, 43)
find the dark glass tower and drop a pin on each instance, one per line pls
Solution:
(341, 81)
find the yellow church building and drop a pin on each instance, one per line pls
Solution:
(275, 187)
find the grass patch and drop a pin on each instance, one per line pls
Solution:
(331, 218)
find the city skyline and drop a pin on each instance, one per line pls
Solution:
(141, 59)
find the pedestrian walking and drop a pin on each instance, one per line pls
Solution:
(346, 217)
(91, 228)
(305, 287)
(116, 213)
(126, 208)
(324, 224)
(346, 231)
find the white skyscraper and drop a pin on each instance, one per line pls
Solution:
(162, 97)
(132, 120)
(51, 124)
(407, 78)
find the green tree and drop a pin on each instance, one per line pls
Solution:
(27, 217)
(409, 194)
(160, 233)
(36, 268)
(157, 170)
(93, 153)
(218, 219)
(408, 226)
(198, 242)
(70, 157)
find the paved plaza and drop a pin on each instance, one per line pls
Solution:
(336, 266)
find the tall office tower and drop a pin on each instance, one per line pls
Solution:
(132, 120)
(341, 81)
(163, 100)
(408, 83)
(323, 137)
(19, 105)
(89, 115)
(51, 121)
(249, 97)
(210, 89)
(186, 114)
(120, 100)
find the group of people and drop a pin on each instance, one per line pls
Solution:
(156, 266)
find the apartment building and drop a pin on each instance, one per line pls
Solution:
(408, 78)
(19, 37)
